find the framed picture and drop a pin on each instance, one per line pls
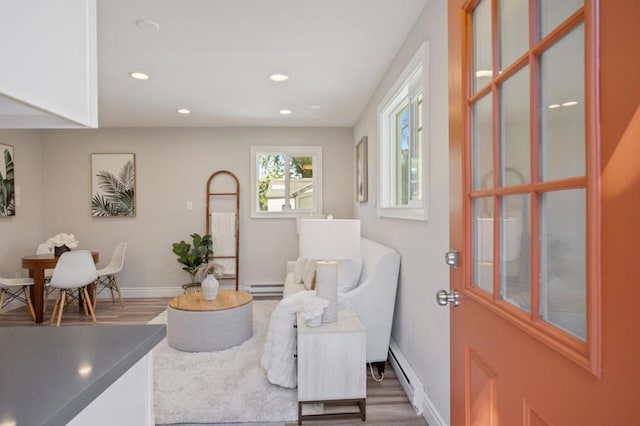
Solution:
(113, 185)
(362, 190)
(7, 182)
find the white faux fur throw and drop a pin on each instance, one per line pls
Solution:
(280, 347)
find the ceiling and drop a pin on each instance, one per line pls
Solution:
(214, 57)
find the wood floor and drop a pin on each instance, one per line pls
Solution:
(387, 404)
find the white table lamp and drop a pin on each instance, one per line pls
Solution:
(328, 240)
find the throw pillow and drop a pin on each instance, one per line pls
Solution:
(349, 274)
(309, 273)
(298, 270)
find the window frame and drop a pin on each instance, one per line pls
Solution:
(407, 88)
(290, 151)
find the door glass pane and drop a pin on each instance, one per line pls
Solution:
(483, 243)
(562, 117)
(563, 260)
(553, 12)
(515, 284)
(301, 183)
(482, 144)
(514, 30)
(515, 129)
(481, 27)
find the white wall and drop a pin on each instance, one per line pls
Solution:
(173, 165)
(20, 234)
(421, 327)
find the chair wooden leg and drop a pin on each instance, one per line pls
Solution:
(113, 299)
(29, 304)
(85, 302)
(2, 290)
(117, 286)
(88, 304)
(61, 308)
(56, 304)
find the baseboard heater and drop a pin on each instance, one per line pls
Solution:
(394, 360)
(264, 289)
(407, 377)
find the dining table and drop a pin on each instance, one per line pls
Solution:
(36, 264)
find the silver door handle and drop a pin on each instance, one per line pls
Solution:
(443, 298)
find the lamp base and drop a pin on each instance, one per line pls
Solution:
(327, 288)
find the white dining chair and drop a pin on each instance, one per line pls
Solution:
(75, 270)
(11, 288)
(107, 277)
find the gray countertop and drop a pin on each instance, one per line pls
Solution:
(49, 374)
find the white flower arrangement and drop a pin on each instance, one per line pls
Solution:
(62, 240)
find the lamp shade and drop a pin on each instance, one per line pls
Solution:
(329, 239)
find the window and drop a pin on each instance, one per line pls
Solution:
(402, 151)
(286, 180)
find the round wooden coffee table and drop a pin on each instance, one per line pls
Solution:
(198, 325)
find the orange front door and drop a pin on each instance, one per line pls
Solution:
(545, 211)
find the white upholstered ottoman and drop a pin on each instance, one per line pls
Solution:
(198, 325)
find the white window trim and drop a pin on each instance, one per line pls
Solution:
(405, 85)
(309, 151)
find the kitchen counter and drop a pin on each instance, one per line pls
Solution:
(49, 375)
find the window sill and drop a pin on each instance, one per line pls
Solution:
(406, 213)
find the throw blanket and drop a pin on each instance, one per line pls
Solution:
(280, 347)
(281, 344)
(223, 231)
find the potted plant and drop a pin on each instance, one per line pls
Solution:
(195, 254)
(61, 243)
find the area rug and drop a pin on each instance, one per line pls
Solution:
(226, 386)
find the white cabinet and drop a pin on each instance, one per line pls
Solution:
(49, 72)
(332, 363)
(127, 402)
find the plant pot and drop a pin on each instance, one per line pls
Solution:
(58, 250)
(209, 287)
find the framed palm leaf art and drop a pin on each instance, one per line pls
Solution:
(7, 183)
(113, 185)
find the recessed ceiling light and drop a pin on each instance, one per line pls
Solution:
(314, 106)
(146, 24)
(554, 106)
(183, 111)
(285, 111)
(139, 75)
(278, 77)
(571, 103)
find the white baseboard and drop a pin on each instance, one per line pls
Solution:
(269, 289)
(136, 292)
(413, 387)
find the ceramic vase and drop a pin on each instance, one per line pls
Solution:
(209, 287)
(58, 250)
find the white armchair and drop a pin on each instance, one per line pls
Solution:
(374, 297)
